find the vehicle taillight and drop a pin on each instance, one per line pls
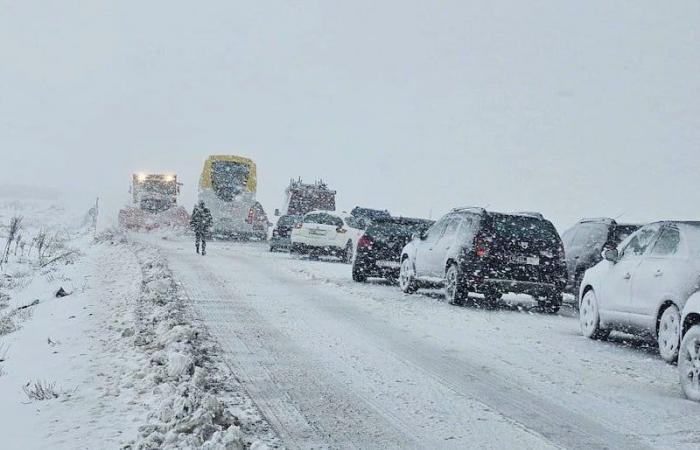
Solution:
(341, 230)
(481, 247)
(251, 215)
(364, 242)
(298, 225)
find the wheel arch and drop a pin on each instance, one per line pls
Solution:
(691, 320)
(663, 306)
(584, 291)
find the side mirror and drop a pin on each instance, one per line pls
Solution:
(611, 254)
(277, 212)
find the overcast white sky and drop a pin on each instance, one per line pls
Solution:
(572, 108)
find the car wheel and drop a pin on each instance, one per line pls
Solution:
(668, 335)
(348, 253)
(551, 304)
(296, 249)
(272, 248)
(407, 277)
(358, 274)
(455, 293)
(689, 364)
(589, 317)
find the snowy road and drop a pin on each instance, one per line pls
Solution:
(332, 363)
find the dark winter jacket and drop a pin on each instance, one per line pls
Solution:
(200, 222)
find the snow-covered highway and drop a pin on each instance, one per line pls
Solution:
(332, 363)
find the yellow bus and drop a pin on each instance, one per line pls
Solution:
(227, 186)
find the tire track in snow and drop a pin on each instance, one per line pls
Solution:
(364, 427)
(467, 380)
(555, 423)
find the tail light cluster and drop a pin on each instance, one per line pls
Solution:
(364, 242)
(481, 247)
(298, 225)
(251, 216)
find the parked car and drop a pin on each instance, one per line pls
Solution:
(379, 248)
(326, 232)
(584, 243)
(368, 215)
(282, 233)
(471, 250)
(689, 353)
(643, 285)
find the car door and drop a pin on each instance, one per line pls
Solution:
(425, 246)
(616, 284)
(664, 274)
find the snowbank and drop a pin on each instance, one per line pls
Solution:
(194, 402)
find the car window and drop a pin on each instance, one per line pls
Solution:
(287, 221)
(311, 218)
(668, 243)
(434, 232)
(639, 242)
(620, 233)
(332, 220)
(468, 229)
(452, 227)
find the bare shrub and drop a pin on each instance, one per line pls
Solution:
(12, 233)
(10, 321)
(41, 390)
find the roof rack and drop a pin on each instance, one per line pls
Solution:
(536, 215)
(474, 209)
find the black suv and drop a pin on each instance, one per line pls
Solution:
(584, 244)
(282, 233)
(471, 250)
(379, 248)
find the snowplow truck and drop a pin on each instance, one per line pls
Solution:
(154, 203)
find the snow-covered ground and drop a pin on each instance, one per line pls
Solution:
(332, 363)
(157, 347)
(119, 362)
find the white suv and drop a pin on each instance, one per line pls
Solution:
(643, 285)
(327, 232)
(689, 357)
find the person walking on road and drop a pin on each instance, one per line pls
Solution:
(200, 222)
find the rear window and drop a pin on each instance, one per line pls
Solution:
(288, 221)
(403, 228)
(526, 232)
(324, 219)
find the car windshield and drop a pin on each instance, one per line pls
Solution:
(228, 179)
(621, 233)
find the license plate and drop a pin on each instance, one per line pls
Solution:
(532, 260)
(529, 260)
(388, 264)
(317, 232)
